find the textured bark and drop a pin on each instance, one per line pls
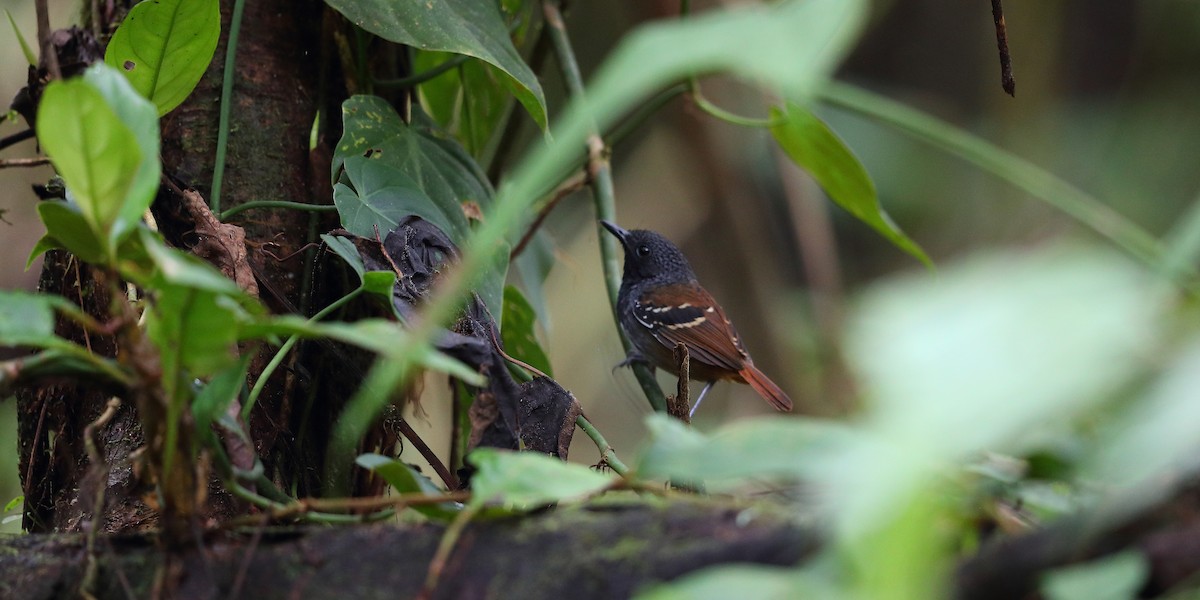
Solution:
(599, 552)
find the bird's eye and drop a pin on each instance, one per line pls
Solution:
(643, 250)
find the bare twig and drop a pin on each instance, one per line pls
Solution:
(445, 474)
(16, 138)
(1006, 77)
(49, 53)
(36, 161)
(678, 405)
(568, 187)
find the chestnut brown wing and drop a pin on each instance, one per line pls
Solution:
(687, 313)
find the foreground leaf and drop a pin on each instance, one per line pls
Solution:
(407, 480)
(529, 480)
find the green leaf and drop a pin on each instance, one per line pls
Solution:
(469, 102)
(344, 248)
(220, 391)
(749, 448)
(186, 270)
(518, 334)
(529, 480)
(471, 27)
(439, 168)
(96, 154)
(533, 266)
(1117, 577)
(379, 195)
(139, 116)
(379, 282)
(811, 144)
(407, 480)
(163, 47)
(15, 503)
(27, 320)
(67, 228)
(740, 581)
(30, 56)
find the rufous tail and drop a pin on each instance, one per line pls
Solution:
(766, 388)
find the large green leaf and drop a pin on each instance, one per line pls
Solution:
(103, 139)
(435, 165)
(96, 154)
(741, 581)
(518, 333)
(1117, 577)
(379, 195)
(469, 102)
(471, 27)
(813, 146)
(529, 480)
(163, 47)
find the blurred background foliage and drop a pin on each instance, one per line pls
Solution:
(1105, 98)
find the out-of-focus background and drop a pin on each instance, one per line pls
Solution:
(1106, 97)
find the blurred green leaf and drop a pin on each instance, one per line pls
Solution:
(30, 56)
(15, 503)
(741, 581)
(27, 320)
(379, 282)
(407, 480)
(1158, 434)
(520, 339)
(1117, 577)
(471, 27)
(164, 47)
(530, 480)
(533, 266)
(66, 228)
(745, 449)
(139, 116)
(984, 356)
(380, 195)
(811, 144)
(219, 393)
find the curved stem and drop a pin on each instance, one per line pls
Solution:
(607, 454)
(277, 360)
(276, 204)
(717, 112)
(424, 76)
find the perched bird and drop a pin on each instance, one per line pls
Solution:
(661, 304)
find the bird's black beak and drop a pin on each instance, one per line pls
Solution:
(612, 228)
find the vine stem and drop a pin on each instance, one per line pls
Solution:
(235, 28)
(607, 454)
(600, 176)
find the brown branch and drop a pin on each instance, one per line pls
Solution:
(1006, 77)
(407, 431)
(49, 53)
(677, 405)
(568, 187)
(36, 161)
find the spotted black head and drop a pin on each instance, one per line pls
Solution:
(649, 255)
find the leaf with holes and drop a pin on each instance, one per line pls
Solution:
(164, 47)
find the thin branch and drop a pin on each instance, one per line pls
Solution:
(16, 138)
(49, 53)
(422, 77)
(1006, 76)
(276, 204)
(568, 187)
(445, 474)
(235, 27)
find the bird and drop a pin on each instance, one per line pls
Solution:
(661, 304)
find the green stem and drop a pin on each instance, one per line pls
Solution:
(423, 76)
(1019, 172)
(602, 192)
(225, 216)
(277, 360)
(1183, 243)
(235, 28)
(719, 113)
(607, 454)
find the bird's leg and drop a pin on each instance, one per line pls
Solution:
(633, 357)
(700, 398)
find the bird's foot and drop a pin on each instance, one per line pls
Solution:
(631, 358)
